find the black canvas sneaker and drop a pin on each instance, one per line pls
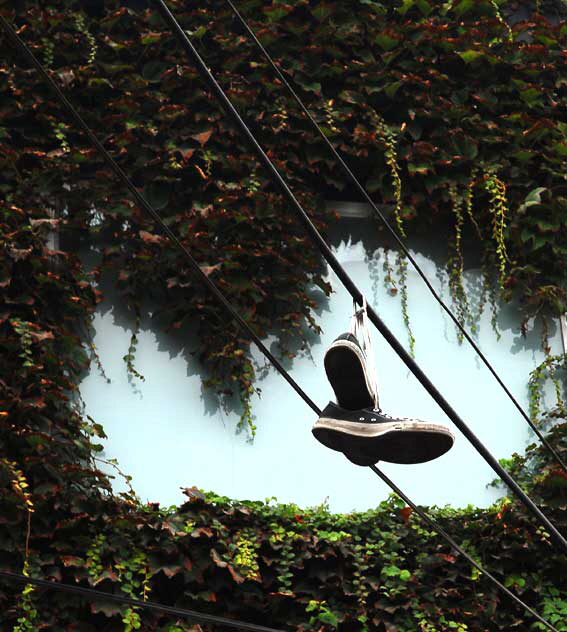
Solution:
(368, 435)
(348, 372)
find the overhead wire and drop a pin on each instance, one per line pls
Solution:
(16, 40)
(364, 193)
(182, 38)
(93, 594)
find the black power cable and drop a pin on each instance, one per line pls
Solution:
(347, 282)
(93, 594)
(354, 180)
(65, 587)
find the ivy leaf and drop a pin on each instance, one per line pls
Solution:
(422, 5)
(535, 195)
(276, 13)
(530, 96)
(464, 6)
(153, 70)
(328, 617)
(208, 270)
(539, 242)
(149, 238)
(392, 88)
(560, 148)
(151, 37)
(322, 11)
(377, 7)
(203, 137)
(469, 56)
(385, 41)
(406, 6)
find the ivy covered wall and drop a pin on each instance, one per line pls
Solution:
(448, 114)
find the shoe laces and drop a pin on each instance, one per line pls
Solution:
(361, 331)
(383, 414)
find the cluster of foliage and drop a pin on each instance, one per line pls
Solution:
(443, 110)
(445, 113)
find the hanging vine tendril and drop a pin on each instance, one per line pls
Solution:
(81, 26)
(391, 158)
(499, 209)
(455, 262)
(28, 621)
(131, 354)
(402, 268)
(502, 21)
(468, 202)
(548, 369)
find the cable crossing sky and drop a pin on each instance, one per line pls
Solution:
(354, 180)
(18, 43)
(347, 282)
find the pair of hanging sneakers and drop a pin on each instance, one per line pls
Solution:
(358, 428)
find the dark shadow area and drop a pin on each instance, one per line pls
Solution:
(185, 341)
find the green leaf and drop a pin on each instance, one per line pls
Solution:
(523, 155)
(329, 618)
(530, 96)
(377, 7)
(392, 88)
(560, 148)
(469, 56)
(322, 11)
(539, 242)
(385, 41)
(151, 38)
(526, 235)
(406, 6)
(464, 6)
(276, 13)
(153, 70)
(535, 195)
(313, 86)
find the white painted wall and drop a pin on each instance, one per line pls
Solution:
(168, 434)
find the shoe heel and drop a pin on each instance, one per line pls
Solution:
(346, 375)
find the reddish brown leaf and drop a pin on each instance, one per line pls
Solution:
(203, 137)
(405, 513)
(40, 336)
(208, 270)
(149, 238)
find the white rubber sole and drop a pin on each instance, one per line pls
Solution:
(375, 430)
(407, 442)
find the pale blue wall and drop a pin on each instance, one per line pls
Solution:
(168, 435)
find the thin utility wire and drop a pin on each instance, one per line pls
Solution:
(24, 579)
(146, 206)
(92, 594)
(347, 282)
(354, 180)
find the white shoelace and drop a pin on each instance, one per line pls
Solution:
(361, 331)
